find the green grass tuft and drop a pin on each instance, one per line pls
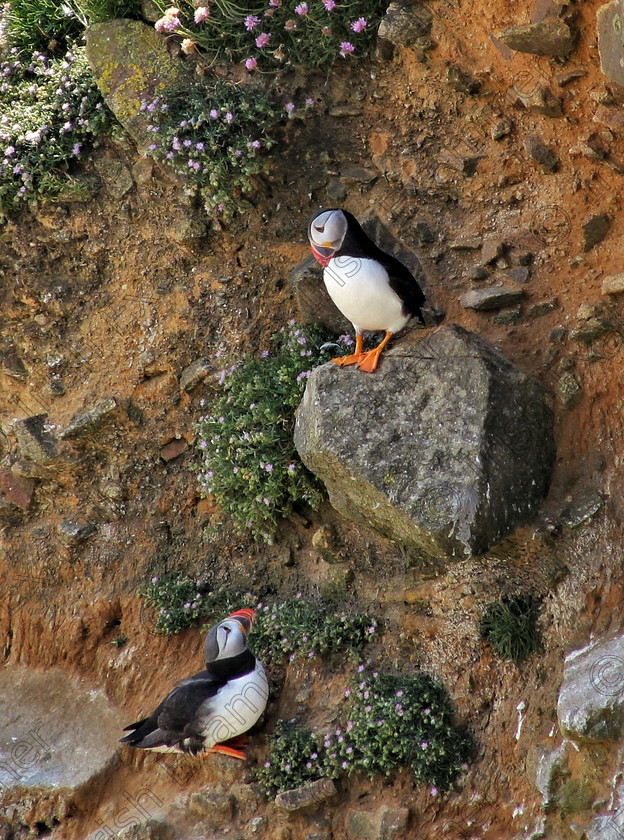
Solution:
(510, 626)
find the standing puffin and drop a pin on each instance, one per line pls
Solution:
(218, 704)
(371, 288)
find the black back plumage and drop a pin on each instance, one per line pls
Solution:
(357, 244)
(175, 719)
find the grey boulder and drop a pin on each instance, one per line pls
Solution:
(446, 448)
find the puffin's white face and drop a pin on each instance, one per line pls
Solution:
(227, 639)
(328, 230)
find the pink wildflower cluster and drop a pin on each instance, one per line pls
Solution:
(170, 21)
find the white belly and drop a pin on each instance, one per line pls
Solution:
(360, 289)
(236, 708)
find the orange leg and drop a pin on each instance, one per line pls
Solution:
(355, 357)
(369, 361)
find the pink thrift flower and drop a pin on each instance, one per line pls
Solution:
(301, 9)
(346, 48)
(202, 13)
(262, 40)
(275, 3)
(329, 4)
(251, 64)
(251, 22)
(359, 25)
(187, 46)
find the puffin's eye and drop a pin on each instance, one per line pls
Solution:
(319, 229)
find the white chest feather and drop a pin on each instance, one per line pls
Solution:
(361, 291)
(235, 709)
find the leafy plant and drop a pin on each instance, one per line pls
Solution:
(393, 721)
(248, 459)
(312, 33)
(510, 626)
(299, 627)
(182, 602)
(50, 112)
(293, 759)
(213, 136)
(291, 628)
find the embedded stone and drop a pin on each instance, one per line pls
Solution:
(446, 448)
(215, 810)
(383, 824)
(613, 284)
(404, 24)
(610, 25)
(307, 796)
(590, 707)
(195, 373)
(595, 228)
(76, 530)
(34, 439)
(87, 422)
(174, 449)
(569, 391)
(496, 297)
(461, 80)
(552, 38)
(542, 154)
(16, 489)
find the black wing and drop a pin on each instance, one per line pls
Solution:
(175, 719)
(358, 244)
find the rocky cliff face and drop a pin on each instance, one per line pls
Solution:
(501, 168)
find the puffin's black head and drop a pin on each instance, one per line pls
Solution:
(326, 233)
(229, 637)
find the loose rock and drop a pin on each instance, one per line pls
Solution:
(76, 530)
(461, 80)
(173, 449)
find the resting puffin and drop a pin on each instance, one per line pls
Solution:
(371, 288)
(218, 704)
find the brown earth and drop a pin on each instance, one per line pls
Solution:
(116, 296)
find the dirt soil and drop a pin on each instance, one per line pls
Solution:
(116, 296)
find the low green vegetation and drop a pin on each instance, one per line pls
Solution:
(288, 629)
(215, 137)
(50, 112)
(389, 722)
(510, 626)
(248, 459)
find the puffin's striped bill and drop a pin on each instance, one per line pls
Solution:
(247, 613)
